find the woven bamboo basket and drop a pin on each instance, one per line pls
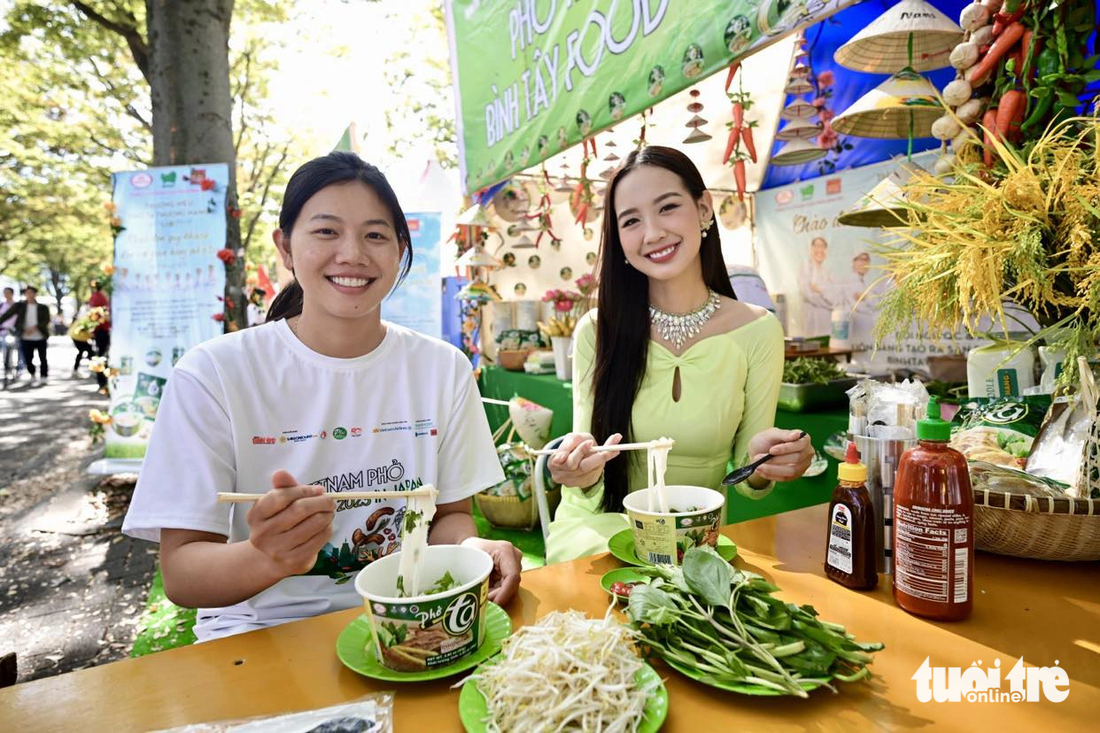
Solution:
(1037, 527)
(512, 512)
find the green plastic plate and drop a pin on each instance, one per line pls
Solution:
(621, 575)
(622, 547)
(355, 647)
(473, 712)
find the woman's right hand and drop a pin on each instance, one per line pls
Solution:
(575, 464)
(291, 524)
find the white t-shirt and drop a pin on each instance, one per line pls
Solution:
(32, 329)
(245, 404)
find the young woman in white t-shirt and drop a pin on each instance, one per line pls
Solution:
(325, 397)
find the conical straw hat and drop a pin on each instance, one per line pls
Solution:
(799, 129)
(797, 152)
(883, 205)
(883, 46)
(476, 256)
(798, 109)
(885, 111)
(796, 85)
(473, 217)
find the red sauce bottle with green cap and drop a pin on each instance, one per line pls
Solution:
(850, 548)
(934, 526)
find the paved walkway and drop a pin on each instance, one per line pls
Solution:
(72, 587)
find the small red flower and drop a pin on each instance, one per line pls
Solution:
(826, 78)
(207, 184)
(227, 256)
(219, 317)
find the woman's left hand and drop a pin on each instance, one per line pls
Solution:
(793, 455)
(504, 580)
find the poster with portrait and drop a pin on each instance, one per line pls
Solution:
(822, 267)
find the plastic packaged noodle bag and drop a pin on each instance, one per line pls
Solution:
(999, 431)
(1062, 448)
(988, 476)
(370, 714)
(517, 472)
(532, 421)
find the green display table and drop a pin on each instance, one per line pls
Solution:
(556, 395)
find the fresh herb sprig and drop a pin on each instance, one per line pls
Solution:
(710, 616)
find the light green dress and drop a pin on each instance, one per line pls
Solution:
(729, 385)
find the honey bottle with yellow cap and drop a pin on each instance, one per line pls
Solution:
(850, 549)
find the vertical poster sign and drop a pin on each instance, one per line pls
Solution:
(417, 303)
(168, 281)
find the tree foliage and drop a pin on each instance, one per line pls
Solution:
(77, 107)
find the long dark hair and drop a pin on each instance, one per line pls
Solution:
(334, 168)
(622, 323)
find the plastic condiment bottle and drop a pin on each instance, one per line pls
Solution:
(850, 550)
(934, 526)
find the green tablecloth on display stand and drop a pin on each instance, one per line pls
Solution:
(553, 393)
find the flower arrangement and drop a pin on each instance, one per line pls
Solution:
(569, 305)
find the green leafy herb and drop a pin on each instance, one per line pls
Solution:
(412, 518)
(806, 370)
(391, 634)
(726, 624)
(443, 584)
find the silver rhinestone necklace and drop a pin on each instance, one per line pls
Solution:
(676, 328)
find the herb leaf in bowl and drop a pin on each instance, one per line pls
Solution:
(807, 370)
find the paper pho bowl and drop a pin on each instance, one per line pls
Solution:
(423, 632)
(126, 423)
(693, 520)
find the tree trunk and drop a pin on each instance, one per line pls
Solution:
(192, 107)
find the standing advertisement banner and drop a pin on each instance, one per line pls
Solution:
(533, 77)
(168, 282)
(826, 270)
(417, 303)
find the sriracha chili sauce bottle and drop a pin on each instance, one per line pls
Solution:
(934, 526)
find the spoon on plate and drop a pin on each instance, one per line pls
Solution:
(741, 474)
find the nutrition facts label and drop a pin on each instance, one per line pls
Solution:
(930, 560)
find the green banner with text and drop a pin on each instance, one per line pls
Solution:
(534, 77)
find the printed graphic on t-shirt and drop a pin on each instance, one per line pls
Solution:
(380, 532)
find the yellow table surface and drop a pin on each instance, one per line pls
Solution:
(1042, 611)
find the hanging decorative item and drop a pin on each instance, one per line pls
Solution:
(798, 86)
(512, 201)
(732, 212)
(696, 135)
(799, 129)
(885, 205)
(798, 109)
(582, 201)
(797, 152)
(883, 46)
(901, 107)
(740, 145)
(800, 71)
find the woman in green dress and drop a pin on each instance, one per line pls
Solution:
(668, 352)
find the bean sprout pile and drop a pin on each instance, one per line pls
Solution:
(567, 672)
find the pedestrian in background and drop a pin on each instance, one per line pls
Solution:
(102, 333)
(32, 323)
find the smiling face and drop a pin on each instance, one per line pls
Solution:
(818, 249)
(344, 252)
(659, 222)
